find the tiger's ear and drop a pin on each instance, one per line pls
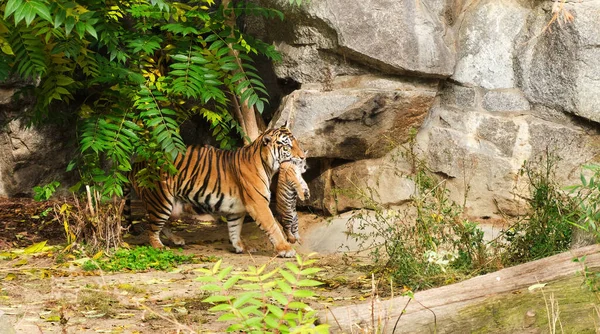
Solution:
(266, 140)
(285, 125)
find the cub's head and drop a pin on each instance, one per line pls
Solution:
(279, 145)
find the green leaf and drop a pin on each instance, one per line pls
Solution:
(42, 10)
(244, 298)
(288, 277)
(231, 282)
(279, 297)
(295, 305)
(276, 310)
(309, 282)
(303, 293)
(227, 317)
(7, 49)
(12, 6)
(90, 29)
(220, 307)
(69, 24)
(285, 288)
(310, 271)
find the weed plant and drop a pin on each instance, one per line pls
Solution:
(546, 229)
(139, 258)
(427, 243)
(587, 195)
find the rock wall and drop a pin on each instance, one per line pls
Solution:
(476, 86)
(488, 84)
(28, 156)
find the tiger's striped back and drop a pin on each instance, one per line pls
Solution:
(227, 184)
(290, 187)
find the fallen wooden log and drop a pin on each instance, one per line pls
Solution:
(495, 302)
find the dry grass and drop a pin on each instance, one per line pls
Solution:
(93, 222)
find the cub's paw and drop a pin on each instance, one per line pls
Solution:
(306, 194)
(291, 238)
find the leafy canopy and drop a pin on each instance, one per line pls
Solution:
(140, 68)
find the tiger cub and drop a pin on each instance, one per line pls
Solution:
(290, 187)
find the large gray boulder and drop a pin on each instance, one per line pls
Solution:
(363, 117)
(481, 152)
(486, 39)
(393, 36)
(559, 67)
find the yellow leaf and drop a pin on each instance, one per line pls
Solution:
(35, 248)
(45, 274)
(7, 255)
(21, 262)
(66, 207)
(7, 49)
(98, 255)
(53, 318)
(10, 277)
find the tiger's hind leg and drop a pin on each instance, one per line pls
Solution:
(234, 227)
(159, 207)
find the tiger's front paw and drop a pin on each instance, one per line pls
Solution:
(286, 250)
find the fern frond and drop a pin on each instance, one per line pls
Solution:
(162, 121)
(30, 56)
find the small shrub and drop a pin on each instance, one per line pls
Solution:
(587, 195)
(43, 193)
(260, 301)
(426, 244)
(546, 229)
(139, 258)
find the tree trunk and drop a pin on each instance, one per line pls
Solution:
(248, 115)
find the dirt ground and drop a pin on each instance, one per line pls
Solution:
(40, 294)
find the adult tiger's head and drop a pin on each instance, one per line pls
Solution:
(279, 145)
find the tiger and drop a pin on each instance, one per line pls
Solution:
(228, 184)
(290, 187)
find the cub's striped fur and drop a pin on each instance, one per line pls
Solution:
(290, 187)
(227, 184)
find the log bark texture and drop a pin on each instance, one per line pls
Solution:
(499, 302)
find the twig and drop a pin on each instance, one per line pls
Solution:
(400, 315)
(334, 318)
